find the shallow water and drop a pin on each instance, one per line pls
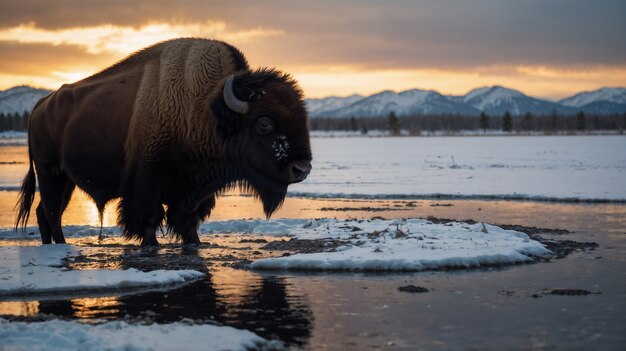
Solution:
(480, 309)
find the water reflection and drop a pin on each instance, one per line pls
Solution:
(248, 301)
(19, 308)
(275, 312)
(95, 307)
(242, 299)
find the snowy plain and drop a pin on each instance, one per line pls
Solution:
(557, 168)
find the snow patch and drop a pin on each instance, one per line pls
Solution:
(65, 335)
(31, 256)
(28, 270)
(413, 244)
(259, 226)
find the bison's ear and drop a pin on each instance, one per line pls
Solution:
(246, 87)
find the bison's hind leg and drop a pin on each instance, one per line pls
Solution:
(44, 227)
(56, 191)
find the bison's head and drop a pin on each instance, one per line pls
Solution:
(261, 116)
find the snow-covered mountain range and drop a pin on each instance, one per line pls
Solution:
(497, 100)
(408, 102)
(614, 95)
(494, 100)
(20, 99)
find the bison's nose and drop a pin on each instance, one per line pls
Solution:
(299, 170)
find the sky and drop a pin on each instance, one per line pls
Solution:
(544, 48)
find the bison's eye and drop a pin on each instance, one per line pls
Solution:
(264, 125)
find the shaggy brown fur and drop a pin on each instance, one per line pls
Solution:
(154, 130)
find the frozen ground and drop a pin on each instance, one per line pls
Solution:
(28, 270)
(562, 168)
(65, 336)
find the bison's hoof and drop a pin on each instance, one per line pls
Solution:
(150, 244)
(191, 247)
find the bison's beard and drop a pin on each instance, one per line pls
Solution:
(271, 193)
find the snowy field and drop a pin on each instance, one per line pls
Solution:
(562, 168)
(557, 168)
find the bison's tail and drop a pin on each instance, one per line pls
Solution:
(27, 194)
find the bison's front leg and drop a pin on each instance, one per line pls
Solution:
(149, 231)
(140, 210)
(146, 230)
(184, 223)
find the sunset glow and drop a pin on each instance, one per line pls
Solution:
(124, 40)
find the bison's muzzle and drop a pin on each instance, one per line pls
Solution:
(299, 170)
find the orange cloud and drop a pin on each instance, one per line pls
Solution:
(39, 59)
(49, 58)
(127, 39)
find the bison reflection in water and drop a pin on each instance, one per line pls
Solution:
(267, 308)
(173, 124)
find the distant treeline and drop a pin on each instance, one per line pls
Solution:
(14, 121)
(415, 125)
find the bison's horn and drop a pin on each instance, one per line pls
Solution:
(231, 100)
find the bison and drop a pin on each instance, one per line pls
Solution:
(175, 125)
